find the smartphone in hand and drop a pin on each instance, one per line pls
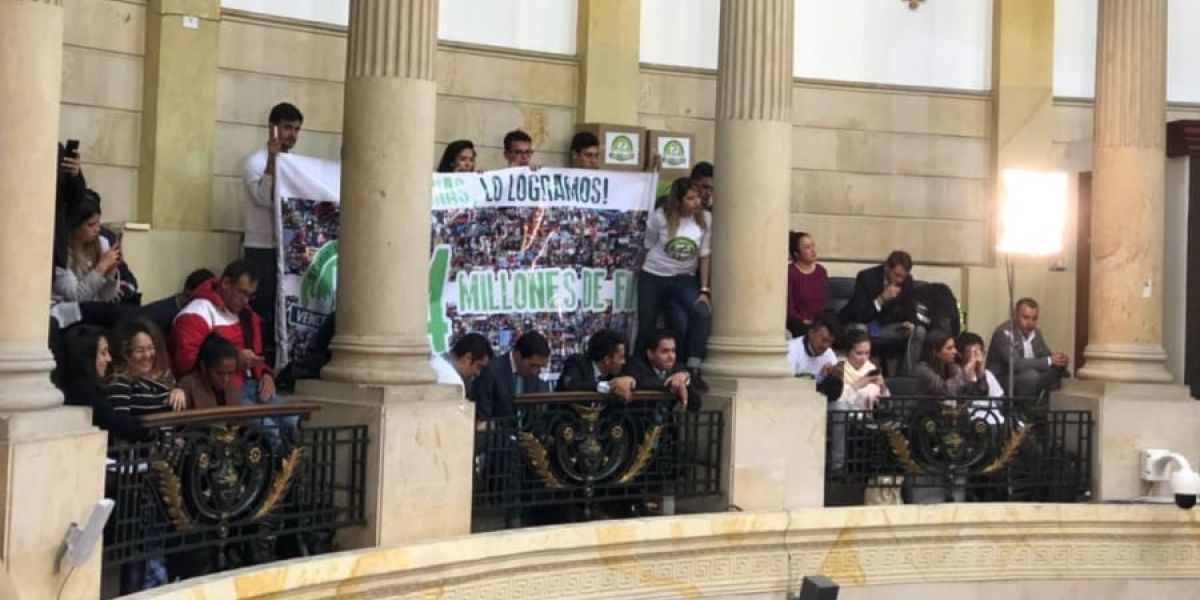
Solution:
(72, 149)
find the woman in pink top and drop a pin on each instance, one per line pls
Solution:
(807, 284)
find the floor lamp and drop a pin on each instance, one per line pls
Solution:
(1033, 214)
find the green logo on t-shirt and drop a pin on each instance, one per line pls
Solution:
(621, 148)
(683, 249)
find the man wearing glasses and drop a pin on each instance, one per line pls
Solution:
(221, 306)
(518, 149)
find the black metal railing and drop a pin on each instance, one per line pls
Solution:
(927, 450)
(569, 456)
(220, 488)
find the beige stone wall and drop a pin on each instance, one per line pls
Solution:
(103, 47)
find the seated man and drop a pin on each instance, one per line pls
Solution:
(1036, 370)
(883, 302)
(812, 356)
(511, 375)
(464, 362)
(163, 312)
(600, 369)
(657, 369)
(221, 306)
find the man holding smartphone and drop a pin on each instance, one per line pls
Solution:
(259, 243)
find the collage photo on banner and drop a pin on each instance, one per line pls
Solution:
(511, 251)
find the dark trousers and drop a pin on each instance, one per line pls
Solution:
(266, 262)
(656, 294)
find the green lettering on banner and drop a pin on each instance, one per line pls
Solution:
(537, 291)
(623, 290)
(469, 298)
(520, 291)
(570, 286)
(551, 288)
(593, 281)
(439, 326)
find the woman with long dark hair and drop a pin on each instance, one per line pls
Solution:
(459, 157)
(676, 269)
(90, 274)
(939, 373)
(81, 374)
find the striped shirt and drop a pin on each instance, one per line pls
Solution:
(138, 396)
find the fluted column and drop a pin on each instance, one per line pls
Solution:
(30, 87)
(1125, 314)
(753, 158)
(383, 248)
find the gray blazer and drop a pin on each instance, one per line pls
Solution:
(1003, 347)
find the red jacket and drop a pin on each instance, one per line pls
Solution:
(206, 314)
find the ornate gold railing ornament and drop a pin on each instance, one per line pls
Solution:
(951, 440)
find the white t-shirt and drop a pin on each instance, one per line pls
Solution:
(446, 373)
(678, 255)
(259, 225)
(803, 364)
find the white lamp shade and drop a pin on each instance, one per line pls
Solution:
(1033, 213)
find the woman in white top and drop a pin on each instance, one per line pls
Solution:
(91, 271)
(676, 268)
(862, 383)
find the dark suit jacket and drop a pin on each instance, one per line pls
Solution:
(493, 389)
(868, 284)
(1003, 346)
(578, 375)
(641, 371)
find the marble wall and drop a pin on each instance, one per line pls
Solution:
(948, 551)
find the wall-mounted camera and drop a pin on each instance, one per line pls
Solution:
(1185, 482)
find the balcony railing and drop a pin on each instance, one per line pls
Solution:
(569, 456)
(227, 487)
(924, 450)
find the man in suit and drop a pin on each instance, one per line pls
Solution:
(1036, 370)
(657, 369)
(600, 368)
(511, 375)
(883, 301)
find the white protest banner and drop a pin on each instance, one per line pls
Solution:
(513, 250)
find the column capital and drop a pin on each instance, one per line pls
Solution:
(1131, 74)
(392, 38)
(754, 76)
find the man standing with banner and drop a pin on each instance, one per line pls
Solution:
(260, 246)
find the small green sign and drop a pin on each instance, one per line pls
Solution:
(673, 154)
(620, 148)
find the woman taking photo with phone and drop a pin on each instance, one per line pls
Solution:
(90, 274)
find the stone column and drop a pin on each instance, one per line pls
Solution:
(753, 158)
(419, 463)
(747, 364)
(1129, 166)
(1124, 357)
(383, 250)
(51, 458)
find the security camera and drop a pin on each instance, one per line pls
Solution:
(1185, 484)
(80, 541)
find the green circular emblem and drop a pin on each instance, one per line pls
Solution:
(673, 154)
(319, 282)
(683, 249)
(620, 148)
